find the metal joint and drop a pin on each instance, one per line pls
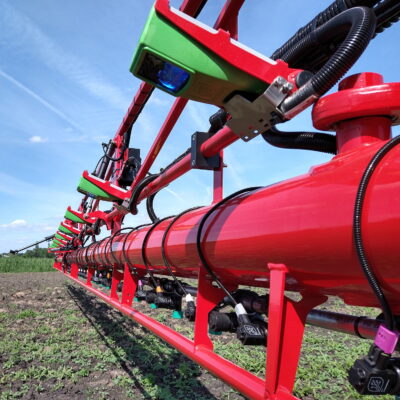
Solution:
(197, 159)
(249, 119)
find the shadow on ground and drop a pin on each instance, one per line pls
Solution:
(147, 360)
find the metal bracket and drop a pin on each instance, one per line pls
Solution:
(197, 160)
(249, 119)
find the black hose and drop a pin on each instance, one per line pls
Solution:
(357, 231)
(111, 146)
(387, 13)
(359, 23)
(150, 208)
(164, 255)
(200, 231)
(110, 243)
(330, 12)
(124, 255)
(316, 141)
(144, 243)
(217, 121)
(138, 189)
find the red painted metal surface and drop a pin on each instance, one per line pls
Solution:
(167, 126)
(313, 221)
(359, 95)
(227, 19)
(220, 42)
(294, 235)
(210, 147)
(242, 380)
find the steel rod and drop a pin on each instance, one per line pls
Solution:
(223, 138)
(349, 324)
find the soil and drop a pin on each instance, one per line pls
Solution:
(57, 341)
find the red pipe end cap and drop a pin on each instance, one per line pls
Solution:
(362, 80)
(361, 95)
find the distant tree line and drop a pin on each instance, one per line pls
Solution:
(37, 252)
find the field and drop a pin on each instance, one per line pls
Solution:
(25, 264)
(59, 342)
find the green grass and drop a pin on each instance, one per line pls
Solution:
(75, 341)
(25, 264)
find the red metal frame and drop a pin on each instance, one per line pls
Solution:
(262, 238)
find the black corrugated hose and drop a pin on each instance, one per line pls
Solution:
(387, 13)
(360, 24)
(334, 9)
(316, 141)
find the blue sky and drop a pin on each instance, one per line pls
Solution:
(65, 86)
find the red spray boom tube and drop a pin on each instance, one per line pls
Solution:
(304, 223)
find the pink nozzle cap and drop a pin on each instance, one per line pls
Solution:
(386, 339)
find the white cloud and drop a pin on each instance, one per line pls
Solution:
(18, 223)
(37, 139)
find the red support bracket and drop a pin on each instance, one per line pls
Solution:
(286, 321)
(58, 265)
(107, 190)
(115, 280)
(89, 277)
(78, 216)
(72, 229)
(74, 271)
(129, 287)
(208, 296)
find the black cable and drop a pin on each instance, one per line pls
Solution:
(315, 141)
(357, 231)
(164, 255)
(126, 140)
(97, 165)
(85, 254)
(144, 243)
(100, 255)
(138, 189)
(110, 242)
(124, 255)
(95, 245)
(150, 178)
(150, 208)
(177, 159)
(200, 231)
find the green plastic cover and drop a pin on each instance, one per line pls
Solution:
(65, 230)
(57, 236)
(72, 217)
(212, 79)
(87, 187)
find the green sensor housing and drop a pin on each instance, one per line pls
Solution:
(65, 230)
(57, 236)
(89, 188)
(73, 217)
(211, 79)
